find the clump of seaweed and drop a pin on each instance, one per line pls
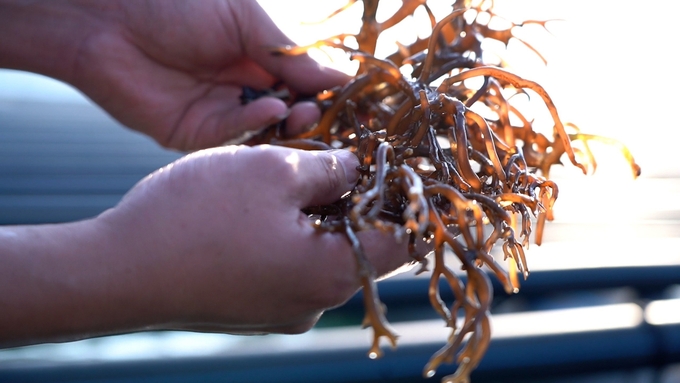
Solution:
(457, 166)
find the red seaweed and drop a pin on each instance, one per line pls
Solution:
(483, 187)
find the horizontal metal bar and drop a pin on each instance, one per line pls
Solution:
(49, 184)
(527, 345)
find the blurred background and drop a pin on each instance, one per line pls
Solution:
(602, 303)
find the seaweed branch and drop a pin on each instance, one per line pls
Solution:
(435, 167)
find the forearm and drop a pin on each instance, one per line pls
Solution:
(45, 36)
(70, 281)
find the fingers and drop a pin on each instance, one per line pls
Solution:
(301, 72)
(332, 270)
(258, 114)
(302, 116)
(217, 122)
(237, 123)
(258, 68)
(385, 251)
(304, 74)
(301, 178)
(322, 177)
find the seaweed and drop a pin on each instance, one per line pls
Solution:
(459, 167)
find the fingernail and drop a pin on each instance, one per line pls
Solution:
(349, 163)
(283, 116)
(276, 119)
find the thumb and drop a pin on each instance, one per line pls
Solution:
(301, 72)
(324, 176)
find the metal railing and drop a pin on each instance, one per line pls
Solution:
(601, 299)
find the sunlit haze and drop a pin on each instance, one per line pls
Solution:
(608, 69)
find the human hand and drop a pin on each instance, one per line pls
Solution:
(224, 246)
(173, 70)
(215, 241)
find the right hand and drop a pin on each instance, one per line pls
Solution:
(222, 242)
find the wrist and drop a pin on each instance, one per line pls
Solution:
(69, 281)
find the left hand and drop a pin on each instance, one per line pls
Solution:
(174, 70)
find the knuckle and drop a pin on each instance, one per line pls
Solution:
(331, 171)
